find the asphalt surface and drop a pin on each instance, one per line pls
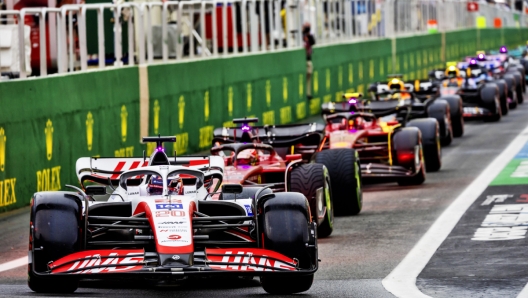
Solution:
(363, 249)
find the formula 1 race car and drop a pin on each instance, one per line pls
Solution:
(160, 222)
(482, 96)
(253, 163)
(390, 146)
(428, 102)
(301, 144)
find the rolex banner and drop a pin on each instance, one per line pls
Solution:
(46, 124)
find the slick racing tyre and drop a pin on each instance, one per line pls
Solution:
(286, 230)
(503, 96)
(489, 96)
(313, 181)
(512, 94)
(432, 151)
(457, 114)
(408, 153)
(345, 175)
(54, 233)
(440, 110)
(522, 70)
(518, 86)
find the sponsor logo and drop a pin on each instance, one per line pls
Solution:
(156, 110)
(249, 210)
(133, 193)
(169, 206)
(49, 179)
(191, 191)
(168, 230)
(247, 261)
(181, 111)
(171, 223)
(170, 213)
(102, 264)
(167, 201)
(89, 130)
(124, 116)
(7, 192)
(49, 139)
(3, 139)
(174, 237)
(175, 257)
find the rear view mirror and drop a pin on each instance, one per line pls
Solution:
(95, 190)
(232, 188)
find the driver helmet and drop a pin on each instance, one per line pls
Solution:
(452, 72)
(396, 84)
(176, 186)
(155, 186)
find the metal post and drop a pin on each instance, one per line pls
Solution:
(70, 41)
(82, 38)
(101, 37)
(243, 15)
(234, 22)
(21, 45)
(164, 37)
(224, 28)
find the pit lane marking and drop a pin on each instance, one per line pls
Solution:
(401, 282)
(14, 264)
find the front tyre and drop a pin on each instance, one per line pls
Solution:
(313, 181)
(55, 225)
(286, 229)
(283, 286)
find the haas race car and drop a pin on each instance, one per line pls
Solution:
(168, 218)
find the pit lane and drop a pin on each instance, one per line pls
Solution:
(361, 252)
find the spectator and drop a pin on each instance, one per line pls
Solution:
(309, 41)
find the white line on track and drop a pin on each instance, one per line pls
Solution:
(14, 264)
(401, 282)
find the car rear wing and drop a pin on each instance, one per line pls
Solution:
(418, 87)
(107, 170)
(276, 135)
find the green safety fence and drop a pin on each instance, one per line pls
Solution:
(348, 68)
(48, 123)
(189, 99)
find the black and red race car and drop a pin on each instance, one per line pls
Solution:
(391, 147)
(428, 102)
(162, 218)
(305, 143)
(250, 162)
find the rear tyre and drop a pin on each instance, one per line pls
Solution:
(408, 154)
(345, 174)
(286, 230)
(440, 110)
(518, 86)
(457, 116)
(512, 96)
(489, 95)
(432, 151)
(503, 96)
(55, 226)
(313, 181)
